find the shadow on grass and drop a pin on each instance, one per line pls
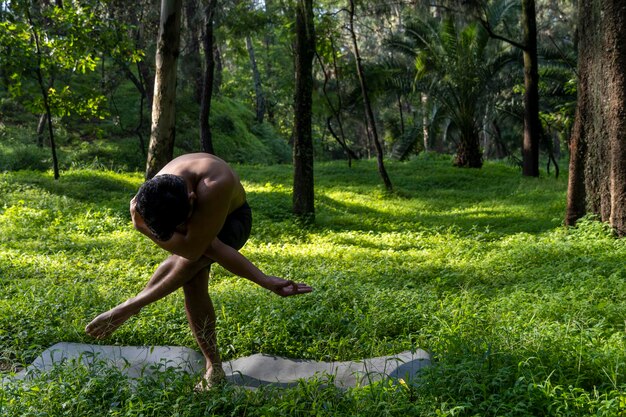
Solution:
(103, 189)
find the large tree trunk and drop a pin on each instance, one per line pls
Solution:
(303, 192)
(532, 126)
(161, 148)
(206, 137)
(597, 181)
(369, 114)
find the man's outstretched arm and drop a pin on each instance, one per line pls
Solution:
(239, 265)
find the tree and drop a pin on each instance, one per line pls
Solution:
(45, 48)
(369, 114)
(326, 49)
(532, 124)
(161, 148)
(455, 68)
(597, 180)
(303, 191)
(206, 138)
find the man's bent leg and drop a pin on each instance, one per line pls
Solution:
(201, 317)
(172, 274)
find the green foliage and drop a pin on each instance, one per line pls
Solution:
(238, 138)
(522, 316)
(59, 41)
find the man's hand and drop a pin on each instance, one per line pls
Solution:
(284, 287)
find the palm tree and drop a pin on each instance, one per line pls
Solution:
(454, 67)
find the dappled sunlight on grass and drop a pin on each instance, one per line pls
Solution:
(472, 265)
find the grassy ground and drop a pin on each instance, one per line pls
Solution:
(522, 316)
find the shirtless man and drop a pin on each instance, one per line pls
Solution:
(195, 208)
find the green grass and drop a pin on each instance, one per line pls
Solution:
(521, 315)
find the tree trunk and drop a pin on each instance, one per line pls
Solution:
(468, 154)
(148, 82)
(45, 98)
(532, 126)
(41, 126)
(303, 192)
(335, 114)
(206, 137)
(425, 131)
(597, 180)
(219, 69)
(369, 114)
(191, 64)
(161, 148)
(268, 43)
(256, 77)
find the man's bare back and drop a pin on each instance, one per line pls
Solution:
(208, 170)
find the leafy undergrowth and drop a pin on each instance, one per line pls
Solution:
(521, 315)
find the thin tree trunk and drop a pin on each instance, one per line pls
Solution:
(269, 41)
(334, 114)
(303, 187)
(161, 148)
(191, 65)
(206, 137)
(256, 77)
(142, 98)
(369, 114)
(339, 100)
(41, 127)
(401, 114)
(219, 70)
(532, 126)
(148, 82)
(46, 99)
(425, 132)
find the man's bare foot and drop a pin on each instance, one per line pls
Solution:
(107, 322)
(215, 375)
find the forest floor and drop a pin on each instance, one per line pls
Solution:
(521, 315)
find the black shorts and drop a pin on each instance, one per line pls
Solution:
(237, 227)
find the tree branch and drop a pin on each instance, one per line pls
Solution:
(494, 35)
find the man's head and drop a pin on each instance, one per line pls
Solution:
(164, 203)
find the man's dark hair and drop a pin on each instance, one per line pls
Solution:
(163, 202)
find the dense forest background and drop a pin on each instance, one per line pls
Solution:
(440, 78)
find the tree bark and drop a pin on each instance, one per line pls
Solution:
(256, 77)
(206, 137)
(191, 64)
(219, 69)
(597, 181)
(425, 121)
(303, 187)
(161, 148)
(41, 126)
(369, 114)
(532, 125)
(468, 153)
